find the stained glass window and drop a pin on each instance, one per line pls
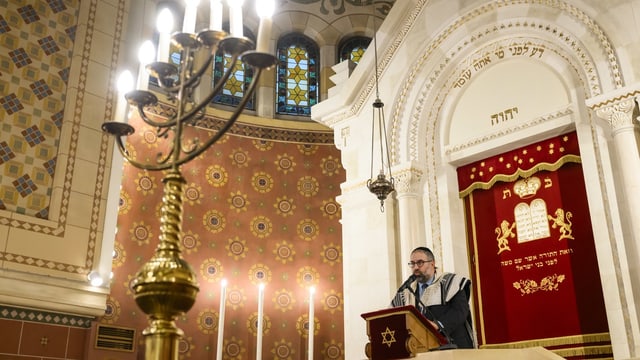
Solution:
(235, 87)
(297, 72)
(353, 48)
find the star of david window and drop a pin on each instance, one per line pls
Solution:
(297, 75)
(237, 84)
(353, 48)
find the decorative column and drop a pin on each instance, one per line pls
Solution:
(617, 109)
(410, 213)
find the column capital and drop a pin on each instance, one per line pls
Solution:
(408, 179)
(616, 107)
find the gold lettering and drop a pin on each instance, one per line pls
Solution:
(506, 193)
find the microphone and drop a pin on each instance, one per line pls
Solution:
(407, 283)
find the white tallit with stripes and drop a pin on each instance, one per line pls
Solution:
(433, 295)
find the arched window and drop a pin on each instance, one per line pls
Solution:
(353, 48)
(237, 84)
(297, 75)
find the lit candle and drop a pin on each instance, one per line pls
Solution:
(235, 15)
(264, 8)
(215, 16)
(164, 24)
(259, 326)
(223, 300)
(190, 12)
(124, 85)
(311, 322)
(145, 56)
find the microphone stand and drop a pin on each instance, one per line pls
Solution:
(450, 344)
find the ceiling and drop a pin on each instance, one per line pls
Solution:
(336, 7)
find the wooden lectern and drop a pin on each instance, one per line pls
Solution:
(400, 333)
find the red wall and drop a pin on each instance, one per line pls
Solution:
(254, 211)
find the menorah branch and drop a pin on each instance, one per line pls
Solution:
(166, 286)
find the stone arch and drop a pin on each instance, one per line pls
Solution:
(416, 116)
(436, 149)
(435, 64)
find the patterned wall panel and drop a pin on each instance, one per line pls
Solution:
(36, 41)
(255, 211)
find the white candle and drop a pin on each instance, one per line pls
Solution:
(264, 8)
(190, 12)
(164, 24)
(124, 85)
(145, 56)
(259, 326)
(215, 15)
(223, 300)
(311, 322)
(235, 16)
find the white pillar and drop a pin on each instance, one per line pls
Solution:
(410, 214)
(617, 108)
(265, 94)
(111, 217)
(369, 266)
(206, 82)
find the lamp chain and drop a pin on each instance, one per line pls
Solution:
(380, 186)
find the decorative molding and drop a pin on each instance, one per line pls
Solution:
(619, 114)
(345, 136)
(502, 132)
(266, 133)
(44, 317)
(616, 107)
(214, 123)
(500, 46)
(408, 181)
(614, 96)
(354, 186)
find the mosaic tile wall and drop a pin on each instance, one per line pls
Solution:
(36, 41)
(256, 211)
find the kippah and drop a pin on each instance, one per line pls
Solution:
(423, 249)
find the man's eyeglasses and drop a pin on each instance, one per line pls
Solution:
(418, 263)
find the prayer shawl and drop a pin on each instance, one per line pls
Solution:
(440, 293)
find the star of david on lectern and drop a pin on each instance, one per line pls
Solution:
(388, 341)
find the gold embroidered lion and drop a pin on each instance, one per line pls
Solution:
(562, 221)
(504, 232)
